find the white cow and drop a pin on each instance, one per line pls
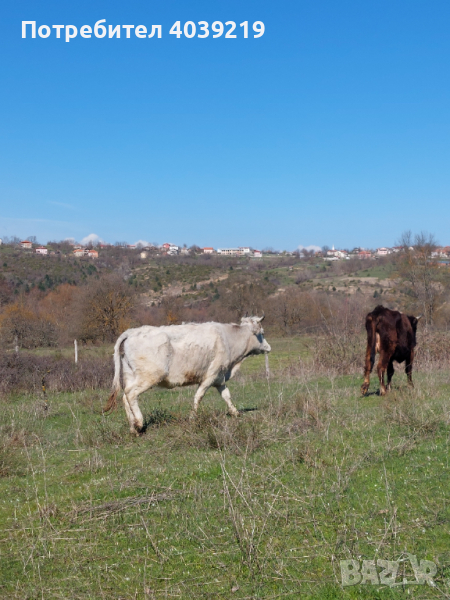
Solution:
(207, 354)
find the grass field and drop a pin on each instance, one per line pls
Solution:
(264, 506)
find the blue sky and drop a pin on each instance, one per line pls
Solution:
(332, 128)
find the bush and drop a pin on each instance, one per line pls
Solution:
(20, 325)
(25, 373)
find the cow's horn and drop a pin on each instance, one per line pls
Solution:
(419, 317)
(263, 317)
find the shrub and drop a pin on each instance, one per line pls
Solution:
(20, 325)
(25, 373)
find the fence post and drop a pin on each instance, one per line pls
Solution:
(16, 345)
(76, 351)
(267, 366)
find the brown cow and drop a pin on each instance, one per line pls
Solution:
(393, 335)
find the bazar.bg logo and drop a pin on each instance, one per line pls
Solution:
(356, 572)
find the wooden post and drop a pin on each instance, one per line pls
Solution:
(16, 345)
(76, 351)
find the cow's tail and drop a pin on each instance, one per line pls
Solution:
(116, 386)
(371, 327)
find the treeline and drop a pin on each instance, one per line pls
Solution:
(121, 290)
(100, 310)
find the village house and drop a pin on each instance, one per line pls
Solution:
(441, 252)
(383, 251)
(26, 245)
(41, 250)
(79, 252)
(243, 250)
(208, 250)
(228, 251)
(336, 254)
(362, 254)
(170, 249)
(257, 254)
(92, 253)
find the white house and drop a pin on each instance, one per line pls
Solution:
(244, 250)
(338, 254)
(41, 250)
(26, 245)
(257, 254)
(383, 251)
(228, 251)
(208, 250)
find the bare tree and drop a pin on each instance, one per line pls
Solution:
(417, 267)
(106, 309)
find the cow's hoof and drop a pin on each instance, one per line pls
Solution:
(364, 389)
(382, 392)
(234, 413)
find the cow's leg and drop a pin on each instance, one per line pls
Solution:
(368, 366)
(390, 373)
(225, 393)
(130, 401)
(383, 362)
(202, 389)
(130, 415)
(408, 368)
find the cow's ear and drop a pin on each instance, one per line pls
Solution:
(256, 325)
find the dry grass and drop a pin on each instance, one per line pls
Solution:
(262, 506)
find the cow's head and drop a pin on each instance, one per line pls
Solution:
(414, 321)
(254, 323)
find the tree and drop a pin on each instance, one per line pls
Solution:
(417, 267)
(106, 309)
(6, 291)
(21, 326)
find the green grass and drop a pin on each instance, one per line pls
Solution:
(377, 270)
(265, 505)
